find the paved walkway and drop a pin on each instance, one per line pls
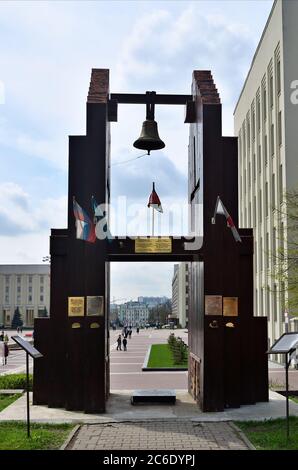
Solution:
(158, 435)
(126, 366)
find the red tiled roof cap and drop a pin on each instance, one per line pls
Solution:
(99, 86)
(206, 86)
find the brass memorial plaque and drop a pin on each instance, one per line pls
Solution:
(230, 306)
(213, 305)
(75, 306)
(153, 245)
(95, 306)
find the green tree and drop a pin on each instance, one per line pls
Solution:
(160, 313)
(284, 257)
(17, 320)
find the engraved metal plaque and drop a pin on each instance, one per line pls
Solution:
(76, 325)
(76, 306)
(230, 306)
(213, 305)
(153, 245)
(95, 306)
(94, 325)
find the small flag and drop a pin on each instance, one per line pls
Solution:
(154, 200)
(220, 209)
(85, 227)
(100, 217)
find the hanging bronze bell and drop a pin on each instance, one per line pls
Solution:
(149, 138)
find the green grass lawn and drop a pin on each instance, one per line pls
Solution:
(271, 434)
(6, 400)
(294, 398)
(13, 436)
(161, 356)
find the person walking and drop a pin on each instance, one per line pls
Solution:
(119, 343)
(2, 352)
(138, 330)
(2, 336)
(6, 352)
(129, 334)
(124, 343)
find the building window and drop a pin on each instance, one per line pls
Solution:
(265, 150)
(258, 114)
(268, 303)
(259, 158)
(244, 181)
(6, 289)
(248, 133)
(255, 211)
(41, 298)
(18, 299)
(275, 303)
(18, 289)
(280, 184)
(266, 199)
(41, 289)
(260, 205)
(41, 279)
(274, 242)
(254, 166)
(272, 139)
(7, 299)
(278, 81)
(267, 250)
(253, 125)
(7, 279)
(271, 90)
(264, 104)
(30, 289)
(29, 298)
(30, 279)
(273, 191)
(18, 279)
(279, 129)
(249, 174)
(261, 254)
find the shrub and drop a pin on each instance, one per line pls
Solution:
(15, 381)
(179, 349)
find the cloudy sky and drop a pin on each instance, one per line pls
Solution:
(47, 50)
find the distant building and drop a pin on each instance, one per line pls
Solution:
(27, 287)
(180, 294)
(114, 313)
(134, 313)
(153, 301)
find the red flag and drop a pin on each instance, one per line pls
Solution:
(154, 200)
(220, 209)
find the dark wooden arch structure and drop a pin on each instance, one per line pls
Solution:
(228, 366)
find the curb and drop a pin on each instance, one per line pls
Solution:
(70, 436)
(145, 363)
(242, 436)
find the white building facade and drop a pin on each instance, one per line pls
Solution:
(180, 294)
(26, 287)
(266, 124)
(134, 313)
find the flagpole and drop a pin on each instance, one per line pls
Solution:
(152, 221)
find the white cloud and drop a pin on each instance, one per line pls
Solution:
(19, 214)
